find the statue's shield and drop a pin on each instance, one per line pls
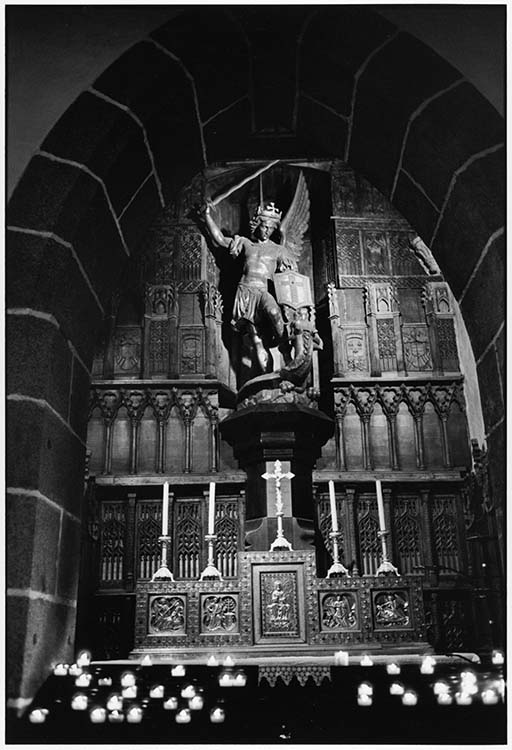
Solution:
(293, 289)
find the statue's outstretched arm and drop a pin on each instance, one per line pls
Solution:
(213, 229)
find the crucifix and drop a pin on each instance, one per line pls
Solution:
(280, 542)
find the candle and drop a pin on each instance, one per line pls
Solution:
(211, 509)
(129, 692)
(365, 689)
(165, 510)
(188, 691)
(105, 681)
(178, 671)
(171, 704)
(364, 700)
(83, 680)
(489, 697)
(127, 679)
(196, 703)
(134, 715)
(498, 658)
(380, 505)
(157, 691)
(392, 668)
(60, 670)
(115, 703)
(463, 699)
(38, 715)
(79, 702)
(116, 717)
(396, 688)
(229, 661)
(240, 679)
(366, 661)
(217, 715)
(183, 716)
(226, 679)
(146, 661)
(98, 715)
(332, 498)
(444, 699)
(341, 658)
(212, 661)
(83, 659)
(75, 670)
(409, 698)
(441, 687)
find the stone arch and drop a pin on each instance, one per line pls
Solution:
(342, 82)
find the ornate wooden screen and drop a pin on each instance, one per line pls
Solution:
(367, 527)
(445, 531)
(407, 534)
(148, 525)
(113, 532)
(188, 538)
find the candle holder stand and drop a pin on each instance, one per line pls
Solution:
(386, 567)
(210, 572)
(337, 568)
(163, 572)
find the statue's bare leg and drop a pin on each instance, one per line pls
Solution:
(261, 352)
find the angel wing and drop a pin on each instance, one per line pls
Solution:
(295, 223)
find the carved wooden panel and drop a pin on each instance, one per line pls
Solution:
(149, 528)
(367, 528)
(403, 260)
(417, 352)
(167, 614)
(348, 249)
(391, 610)
(447, 344)
(219, 613)
(339, 611)
(375, 253)
(355, 348)
(445, 533)
(113, 529)
(159, 346)
(227, 529)
(279, 603)
(407, 533)
(191, 350)
(188, 539)
(127, 350)
(386, 340)
(190, 253)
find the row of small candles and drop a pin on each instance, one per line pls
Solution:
(467, 683)
(113, 709)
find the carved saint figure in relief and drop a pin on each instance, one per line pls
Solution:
(257, 315)
(391, 610)
(278, 607)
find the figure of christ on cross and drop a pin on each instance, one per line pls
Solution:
(254, 306)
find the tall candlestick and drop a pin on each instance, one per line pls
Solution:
(165, 510)
(211, 509)
(380, 505)
(332, 498)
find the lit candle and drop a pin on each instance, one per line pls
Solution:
(129, 692)
(409, 698)
(83, 680)
(366, 661)
(134, 715)
(212, 661)
(392, 668)
(79, 702)
(115, 703)
(226, 679)
(441, 687)
(332, 498)
(229, 661)
(183, 716)
(75, 670)
(498, 658)
(217, 715)
(380, 505)
(463, 699)
(178, 671)
(83, 659)
(60, 670)
(489, 697)
(188, 691)
(240, 679)
(157, 691)
(127, 679)
(396, 688)
(365, 689)
(211, 509)
(364, 700)
(38, 715)
(116, 717)
(105, 681)
(165, 510)
(171, 704)
(146, 661)
(196, 703)
(444, 699)
(341, 658)
(98, 715)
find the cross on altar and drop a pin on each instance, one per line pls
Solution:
(280, 542)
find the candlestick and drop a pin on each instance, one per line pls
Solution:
(332, 498)
(163, 571)
(211, 509)
(210, 572)
(386, 567)
(280, 542)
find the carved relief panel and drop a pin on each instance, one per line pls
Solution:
(219, 613)
(338, 611)
(167, 614)
(279, 603)
(191, 350)
(391, 609)
(127, 351)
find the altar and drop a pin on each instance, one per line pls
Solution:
(278, 606)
